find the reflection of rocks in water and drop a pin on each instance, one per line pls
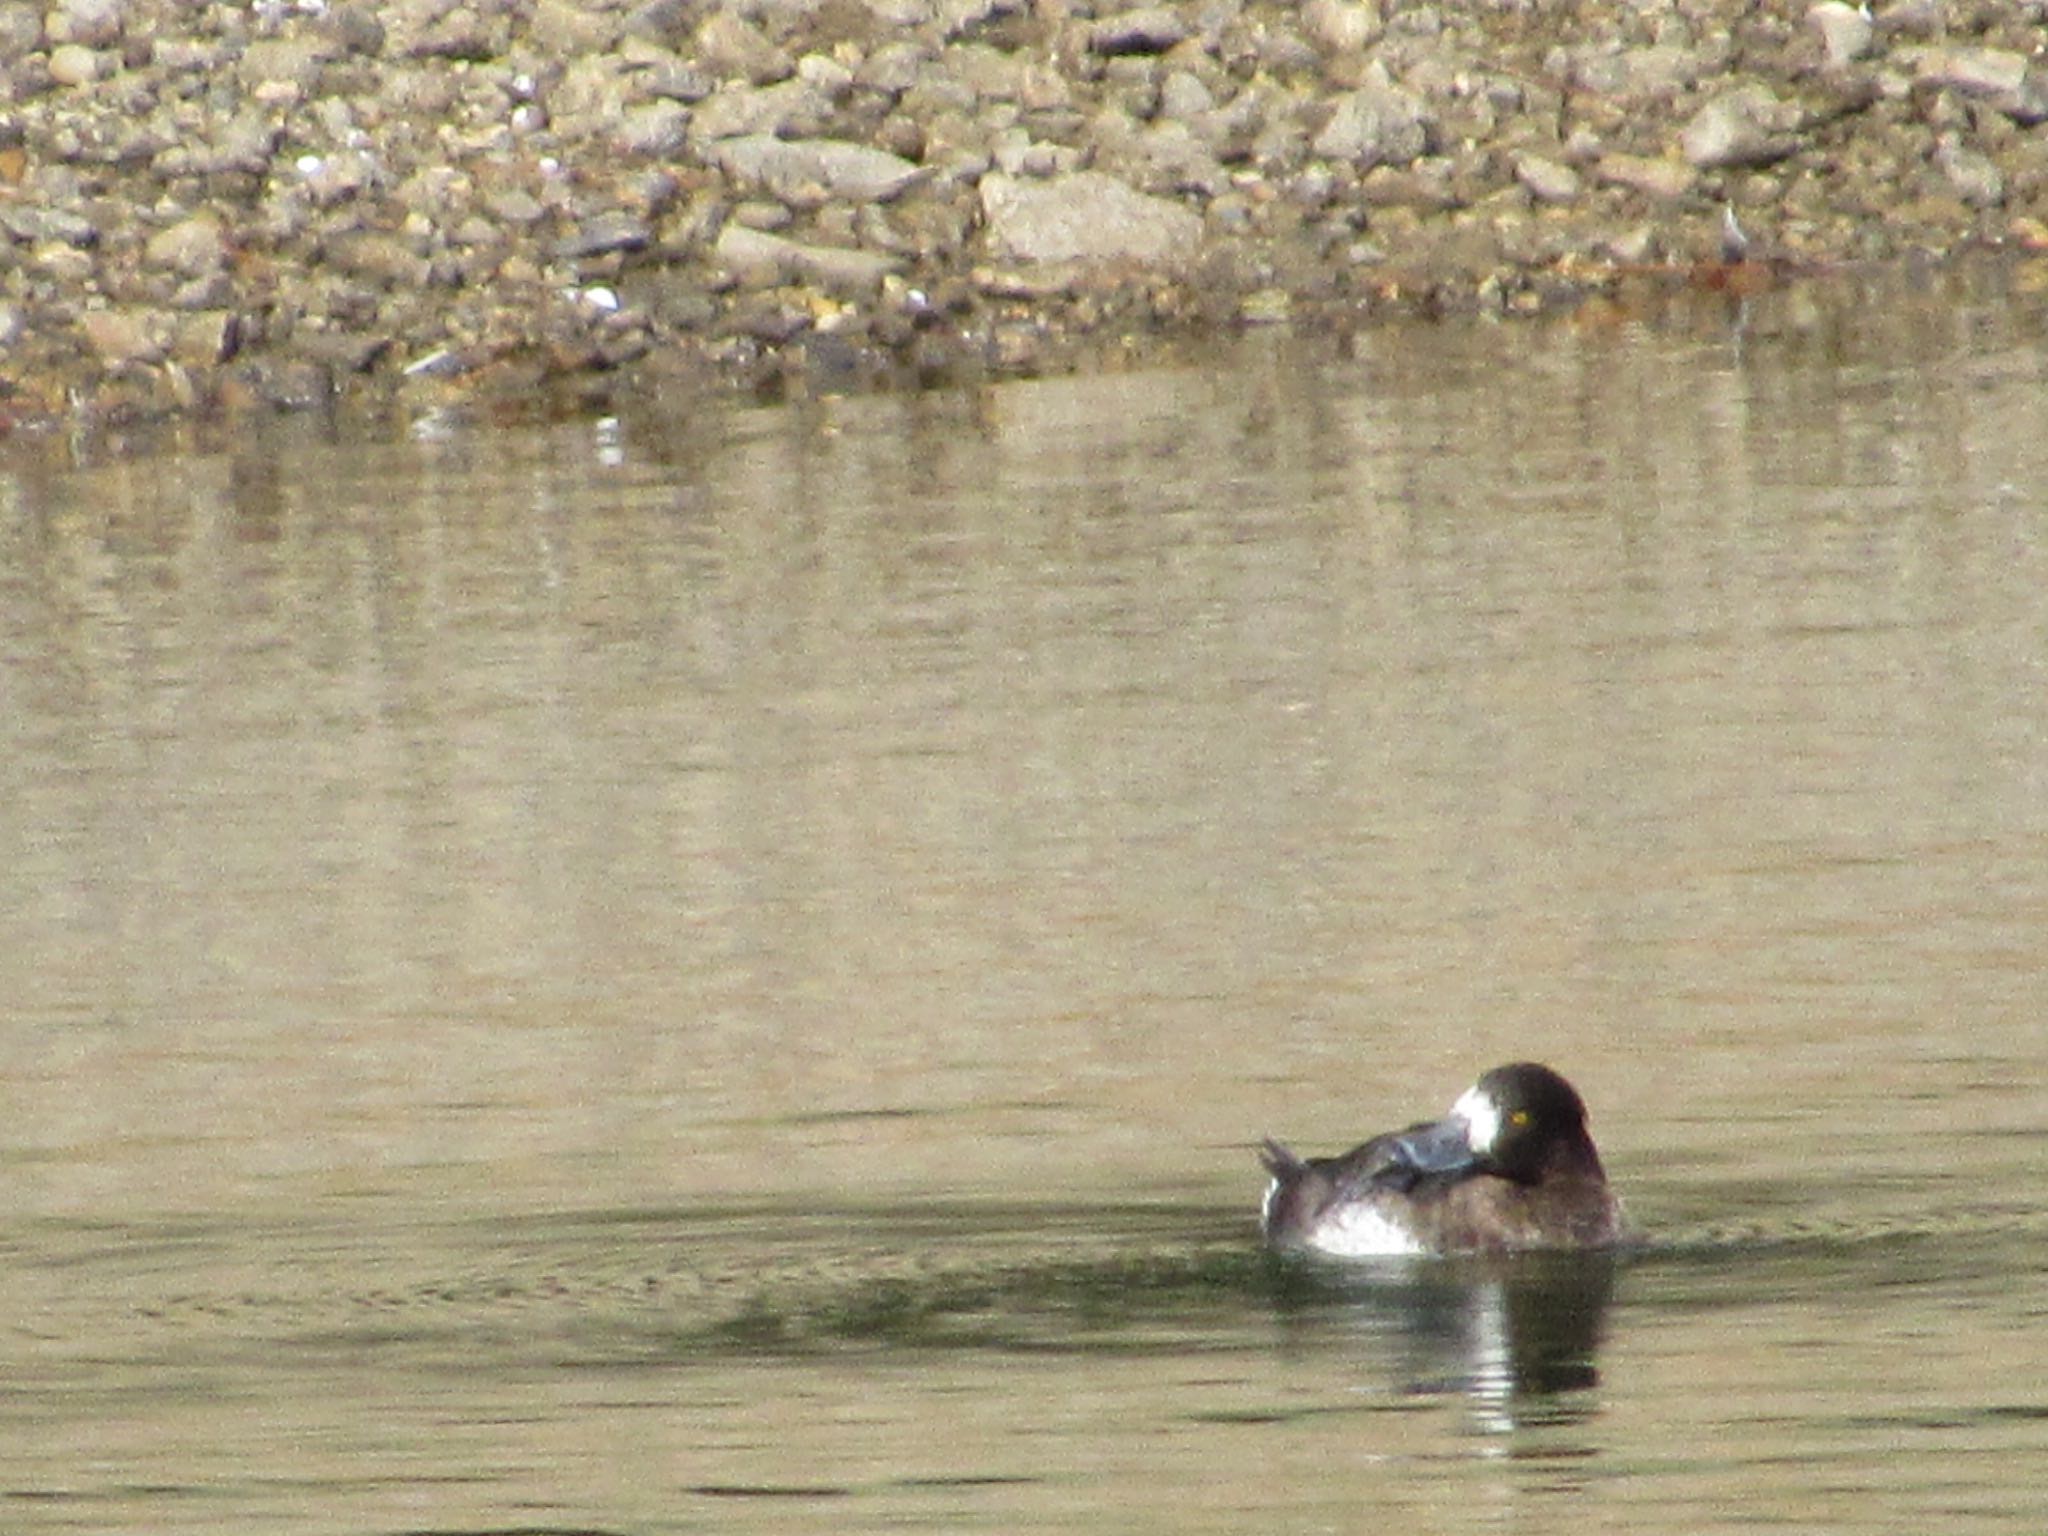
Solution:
(1517, 1335)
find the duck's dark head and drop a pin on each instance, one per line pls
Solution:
(1518, 1121)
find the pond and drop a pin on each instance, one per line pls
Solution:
(723, 969)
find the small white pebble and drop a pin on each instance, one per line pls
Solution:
(433, 362)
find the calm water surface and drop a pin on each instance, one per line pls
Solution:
(718, 971)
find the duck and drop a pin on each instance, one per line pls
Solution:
(1511, 1168)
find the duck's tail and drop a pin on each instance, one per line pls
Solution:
(1279, 1161)
(1298, 1192)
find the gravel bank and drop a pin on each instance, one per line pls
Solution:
(212, 205)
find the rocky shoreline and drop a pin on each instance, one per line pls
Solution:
(213, 206)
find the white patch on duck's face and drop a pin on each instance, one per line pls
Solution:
(1362, 1232)
(1482, 1119)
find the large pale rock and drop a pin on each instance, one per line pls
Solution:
(1845, 31)
(1547, 180)
(1378, 124)
(800, 168)
(1747, 126)
(2009, 81)
(1086, 216)
(1662, 179)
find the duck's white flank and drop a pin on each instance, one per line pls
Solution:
(1353, 1232)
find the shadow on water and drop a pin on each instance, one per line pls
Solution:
(982, 1283)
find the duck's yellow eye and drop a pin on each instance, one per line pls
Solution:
(1519, 1118)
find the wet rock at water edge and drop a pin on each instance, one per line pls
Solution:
(284, 384)
(1086, 217)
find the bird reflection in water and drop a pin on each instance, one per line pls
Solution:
(1517, 1336)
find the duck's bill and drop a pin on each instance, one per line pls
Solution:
(1441, 1146)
